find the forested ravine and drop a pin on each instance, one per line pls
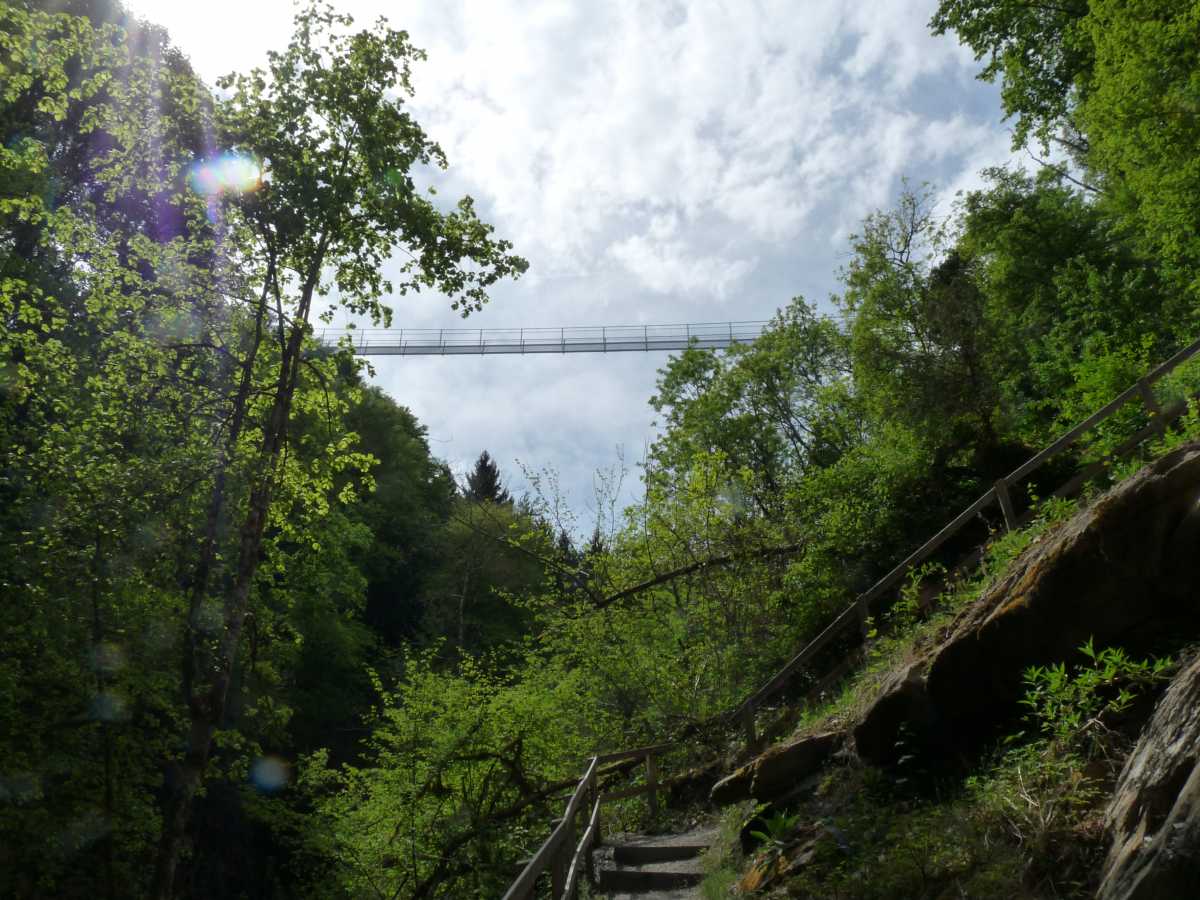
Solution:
(257, 641)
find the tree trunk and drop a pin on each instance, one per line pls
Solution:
(206, 710)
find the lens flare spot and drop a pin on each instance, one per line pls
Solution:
(20, 788)
(270, 774)
(108, 658)
(108, 707)
(226, 175)
(84, 831)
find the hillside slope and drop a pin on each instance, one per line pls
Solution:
(1006, 748)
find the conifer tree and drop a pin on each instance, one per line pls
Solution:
(484, 483)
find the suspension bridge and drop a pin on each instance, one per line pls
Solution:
(579, 339)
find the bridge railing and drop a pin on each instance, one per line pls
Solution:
(576, 339)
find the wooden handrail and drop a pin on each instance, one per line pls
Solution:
(552, 856)
(1105, 411)
(634, 754)
(582, 858)
(859, 610)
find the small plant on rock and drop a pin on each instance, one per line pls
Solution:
(776, 832)
(1076, 709)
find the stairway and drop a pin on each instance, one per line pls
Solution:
(665, 867)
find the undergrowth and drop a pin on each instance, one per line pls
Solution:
(1027, 820)
(723, 858)
(912, 625)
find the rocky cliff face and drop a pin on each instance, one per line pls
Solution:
(1154, 816)
(1125, 571)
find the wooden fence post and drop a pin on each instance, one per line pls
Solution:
(863, 608)
(1006, 507)
(749, 724)
(1152, 406)
(559, 863)
(1148, 398)
(652, 783)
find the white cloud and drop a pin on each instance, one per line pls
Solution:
(665, 267)
(656, 161)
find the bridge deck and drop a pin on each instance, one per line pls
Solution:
(488, 341)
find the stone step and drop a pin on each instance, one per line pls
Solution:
(653, 867)
(640, 854)
(641, 881)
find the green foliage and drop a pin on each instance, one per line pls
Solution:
(1038, 51)
(776, 832)
(721, 860)
(1114, 83)
(1040, 800)
(1142, 119)
(218, 547)
(148, 507)
(455, 789)
(763, 407)
(880, 843)
(1003, 549)
(920, 341)
(1069, 292)
(488, 557)
(1077, 708)
(484, 483)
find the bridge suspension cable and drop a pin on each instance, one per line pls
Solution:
(579, 339)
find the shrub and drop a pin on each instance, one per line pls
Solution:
(1075, 709)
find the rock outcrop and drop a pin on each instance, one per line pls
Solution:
(1154, 815)
(900, 714)
(1124, 571)
(777, 771)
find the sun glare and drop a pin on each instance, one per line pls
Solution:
(227, 174)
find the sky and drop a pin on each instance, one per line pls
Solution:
(656, 162)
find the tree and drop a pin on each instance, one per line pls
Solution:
(1038, 50)
(922, 347)
(760, 407)
(487, 556)
(484, 484)
(98, 455)
(1064, 286)
(1114, 82)
(1143, 125)
(325, 130)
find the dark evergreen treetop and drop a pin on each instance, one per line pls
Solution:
(484, 484)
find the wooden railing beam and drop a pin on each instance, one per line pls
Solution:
(633, 754)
